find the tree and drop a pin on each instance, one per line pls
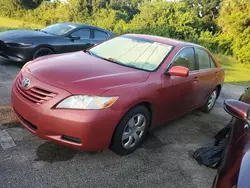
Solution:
(234, 20)
(208, 11)
(171, 19)
(30, 4)
(10, 8)
(78, 10)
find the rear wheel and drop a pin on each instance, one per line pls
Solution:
(211, 101)
(131, 131)
(42, 52)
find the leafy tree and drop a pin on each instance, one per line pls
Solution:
(166, 19)
(208, 11)
(10, 8)
(78, 10)
(30, 4)
(234, 20)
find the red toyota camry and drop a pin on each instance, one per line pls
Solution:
(111, 95)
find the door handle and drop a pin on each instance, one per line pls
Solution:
(196, 78)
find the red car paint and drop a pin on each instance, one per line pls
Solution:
(234, 169)
(54, 78)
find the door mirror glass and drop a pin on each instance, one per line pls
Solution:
(237, 109)
(178, 71)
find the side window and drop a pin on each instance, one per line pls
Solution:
(203, 58)
(185, 58)
(212, 63)
(99, 35)
(83, 33)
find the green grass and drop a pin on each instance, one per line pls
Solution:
(237, 74)
(7, 24)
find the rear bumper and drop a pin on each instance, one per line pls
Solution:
(80, 129)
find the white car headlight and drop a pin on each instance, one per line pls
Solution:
(87, 102)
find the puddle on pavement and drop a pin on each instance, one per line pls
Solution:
(51, 153)
(152, 142)
(7, 117)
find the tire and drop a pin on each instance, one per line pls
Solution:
(211, 101)
(135, 122)
(42, 52)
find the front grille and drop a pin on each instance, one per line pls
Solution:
(35, 95)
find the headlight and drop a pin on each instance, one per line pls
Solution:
(87, 102)
(17, 44)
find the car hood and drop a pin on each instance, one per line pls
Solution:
(81, 73)
(20, 35)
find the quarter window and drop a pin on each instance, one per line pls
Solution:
(203, 59)
(185, 58)
(83, 33)
(99, 35)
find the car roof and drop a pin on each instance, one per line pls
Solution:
(85, 25)
(164, 40)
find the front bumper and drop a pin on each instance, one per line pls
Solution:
(80, 129)
(15, 54)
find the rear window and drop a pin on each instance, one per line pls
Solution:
(99, 35)
(203, 59)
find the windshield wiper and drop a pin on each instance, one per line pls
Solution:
(43, 31)
(89, 52)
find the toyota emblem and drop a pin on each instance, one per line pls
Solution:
(26, 83)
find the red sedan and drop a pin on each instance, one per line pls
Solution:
(111, 95)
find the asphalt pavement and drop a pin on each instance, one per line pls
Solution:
(162, 162)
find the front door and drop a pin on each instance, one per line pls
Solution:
(83, 42)
(180, 93)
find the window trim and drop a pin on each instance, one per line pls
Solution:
(180, 50)
(212, 62)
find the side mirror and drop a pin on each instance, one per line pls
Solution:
(178, 71)
(74, 37)
(237, 109)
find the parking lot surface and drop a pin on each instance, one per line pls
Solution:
(163, 161)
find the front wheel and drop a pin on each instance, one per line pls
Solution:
(42, 52)
(211, 101)
(131, 131)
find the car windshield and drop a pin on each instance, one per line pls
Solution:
(58, 29)
(133, 52)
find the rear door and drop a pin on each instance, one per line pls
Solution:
(208, 73)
